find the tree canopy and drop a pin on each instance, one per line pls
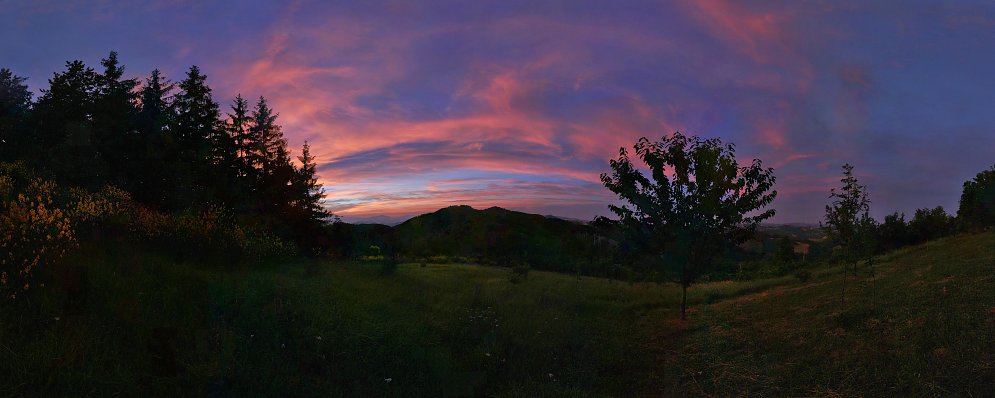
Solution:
(696, 202)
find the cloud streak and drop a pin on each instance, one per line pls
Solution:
(414, 106)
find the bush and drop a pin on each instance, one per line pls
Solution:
(34, 231)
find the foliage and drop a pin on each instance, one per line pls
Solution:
(697, 203)
(894, 232)
(849, 224)
(15, 103)
(164, 144)
(977, 201)
(930, 224)
(34, 231)
(210, 234)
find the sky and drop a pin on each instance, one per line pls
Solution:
(415, 105)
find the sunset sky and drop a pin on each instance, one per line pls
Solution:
(412, 106)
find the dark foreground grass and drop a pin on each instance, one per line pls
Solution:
(126, 322)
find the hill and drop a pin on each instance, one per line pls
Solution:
(496, 235)
(126, 321)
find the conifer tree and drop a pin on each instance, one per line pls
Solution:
(64, 126)
(156, 149)
(238, 129)
(196, 126)
(156, 100)
(15, 103)
(308, 188)
(114, 120)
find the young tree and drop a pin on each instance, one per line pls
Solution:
(849, 224)
(696, 202)
(977, 202)
(15, 103)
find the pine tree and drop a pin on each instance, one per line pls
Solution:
(15, 103)
(197, 115)
(238, 129)
(196, 127)
(114, 119)
(155, 147)
(270, 160)
(64, 127)
(156, 104)
(268, 145)
(308, 188)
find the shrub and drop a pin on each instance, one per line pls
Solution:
(210, 234)
(34, 231)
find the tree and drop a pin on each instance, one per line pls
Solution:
(155, 147)
(849, 224)
(156, 104)
(114, 116)
(308, 188)
(269, 146)
(977, 202)
(894, 232)
(696, 202)
(196, 126)
(308, 211)
(15, 103)
(270, 160)
(238, 129)
(930, 224)
(64, 133)
(784, 254)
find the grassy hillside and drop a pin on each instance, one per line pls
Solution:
(127, 322)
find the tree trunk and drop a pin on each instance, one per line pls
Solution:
(843, 290)
(684, 301)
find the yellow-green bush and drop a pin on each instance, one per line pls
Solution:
(34, 232)
(206, 234)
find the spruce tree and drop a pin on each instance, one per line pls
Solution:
(156, 148)
(114, 119)
(15, 103)
(238, 129)
(308, 189)
(64, 127)
(196, 127)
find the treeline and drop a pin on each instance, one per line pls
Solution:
(169, 145)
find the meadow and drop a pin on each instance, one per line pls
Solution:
(120, 320)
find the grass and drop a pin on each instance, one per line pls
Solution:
(122, 321)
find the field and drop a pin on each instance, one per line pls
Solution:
(124, 322)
